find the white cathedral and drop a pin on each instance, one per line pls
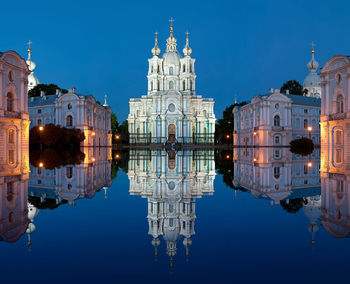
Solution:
(171, 111)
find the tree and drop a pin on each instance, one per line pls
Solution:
(49, 89)
(294, 205)
(303, 146)
(224, 125)
(114, 123)
(294, 88)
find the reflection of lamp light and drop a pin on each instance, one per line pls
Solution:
(309, 164)
(93, 159)
(309, 128)
(254, 133)
(93, 133)
(41, 128)
(41, 165)
(254, 160)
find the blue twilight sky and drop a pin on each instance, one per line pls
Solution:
(241, 47)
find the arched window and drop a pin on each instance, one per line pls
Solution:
(69, 121)
(10, 103)
(152, 69)
(276, 120)
(158, 85)
(340, 104)
(171, 85)
(183, 85)
(276, 172)
(184, 68)
(69, 172)
(10, 191)
(39, 122)
(171, 71)
(151, 85)
(277, 139)
(305, 123)
(11, 136)
(190, 68)
(158, 69)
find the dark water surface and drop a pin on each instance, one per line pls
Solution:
(100, 233)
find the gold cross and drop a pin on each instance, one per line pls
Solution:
(29, 43)
(171, 21)
(187, 33)
(156, 33)
(313, 44)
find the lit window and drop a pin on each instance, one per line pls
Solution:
(11, 136)
(338, 156)
(11, 157)
(338, 137)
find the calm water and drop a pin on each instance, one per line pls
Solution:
(170, 217)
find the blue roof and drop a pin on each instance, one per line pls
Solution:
(40, 101)
(302, 100)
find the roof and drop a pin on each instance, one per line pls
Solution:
(303, 100)
(40, 101)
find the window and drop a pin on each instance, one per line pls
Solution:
(11, 77)
(340, 189)
(10, 191)
(10, 106)
(338, 137)
(171, 222)
(69, 186)
(69, 106)
(305, 181)
(191, 85)
(11, 157)
(171, 208)
(338, 156)
(69, 172)
(305, 110)
(39, 110)
(39, 181)
(276, 172)
(151, 85)
(305, 123)
(340, 104)
(152, 69)
(158, 69)
(276, 120)
(171, 85)
(183, 68)
(277, 106)
(183, 225)
(277, 154)
(183, 85)
(306, 170)
(158, 85)
(39, 122)
(277, 139)
(11, 136)
(171, 71)
(69, 121)
(39, 171)
(190, 68)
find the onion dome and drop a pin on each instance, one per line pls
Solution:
(171, 56)
(312, 80)
(32, 79)
(156, 49)
(187, 49)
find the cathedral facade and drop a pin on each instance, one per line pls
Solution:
(171, 111)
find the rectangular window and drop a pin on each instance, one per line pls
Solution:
(11, 157)
(39, 181)
(39, 171)
(338, 155)
(277, 153)
(11, 136)
(39, 110)
(338, 138)
(305, 170)
(305, 110)
(277, 139)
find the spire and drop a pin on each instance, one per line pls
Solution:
(313, 64)
(155, 49)
(187, 50)
(171, 40)
(29, 49)
(30, 62)
(105, 104)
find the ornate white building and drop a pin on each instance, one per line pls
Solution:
(335, 121)
(171, 182)
(171, 111)
(32, 79)
(14, 117)
(72, 110)
(312, 82)
(275, 119)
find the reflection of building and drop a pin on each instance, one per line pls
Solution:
(171, 111)
(14, 118)
(72, 110)
(275, 119)
(171, 182)
(71, 182)
(335, 135)
(336, 204)
(275, 173)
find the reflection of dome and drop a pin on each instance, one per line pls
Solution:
(32, 211)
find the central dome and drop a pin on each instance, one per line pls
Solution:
(171, 58)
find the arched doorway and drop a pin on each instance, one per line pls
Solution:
(171, 133)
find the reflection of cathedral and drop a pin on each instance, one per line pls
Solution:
(171, 110)
(171, 182)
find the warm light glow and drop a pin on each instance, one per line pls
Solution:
(228, 157)
(254, 160)
(41, 165)
(254, 133)
(93, 133)
(41, 128)
(227, 136)
(309, 164)
(117, 137)
(93, 159)
(117, 156)
(309, 129)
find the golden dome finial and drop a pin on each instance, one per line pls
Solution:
(171, 25)
(29, 49)
(313, 47)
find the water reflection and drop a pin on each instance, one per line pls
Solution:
(171, 181)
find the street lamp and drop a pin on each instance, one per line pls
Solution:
(309, 129)
(117, 156)
(41, 128)
(41, 165)
(228, 136)
(309, 164)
